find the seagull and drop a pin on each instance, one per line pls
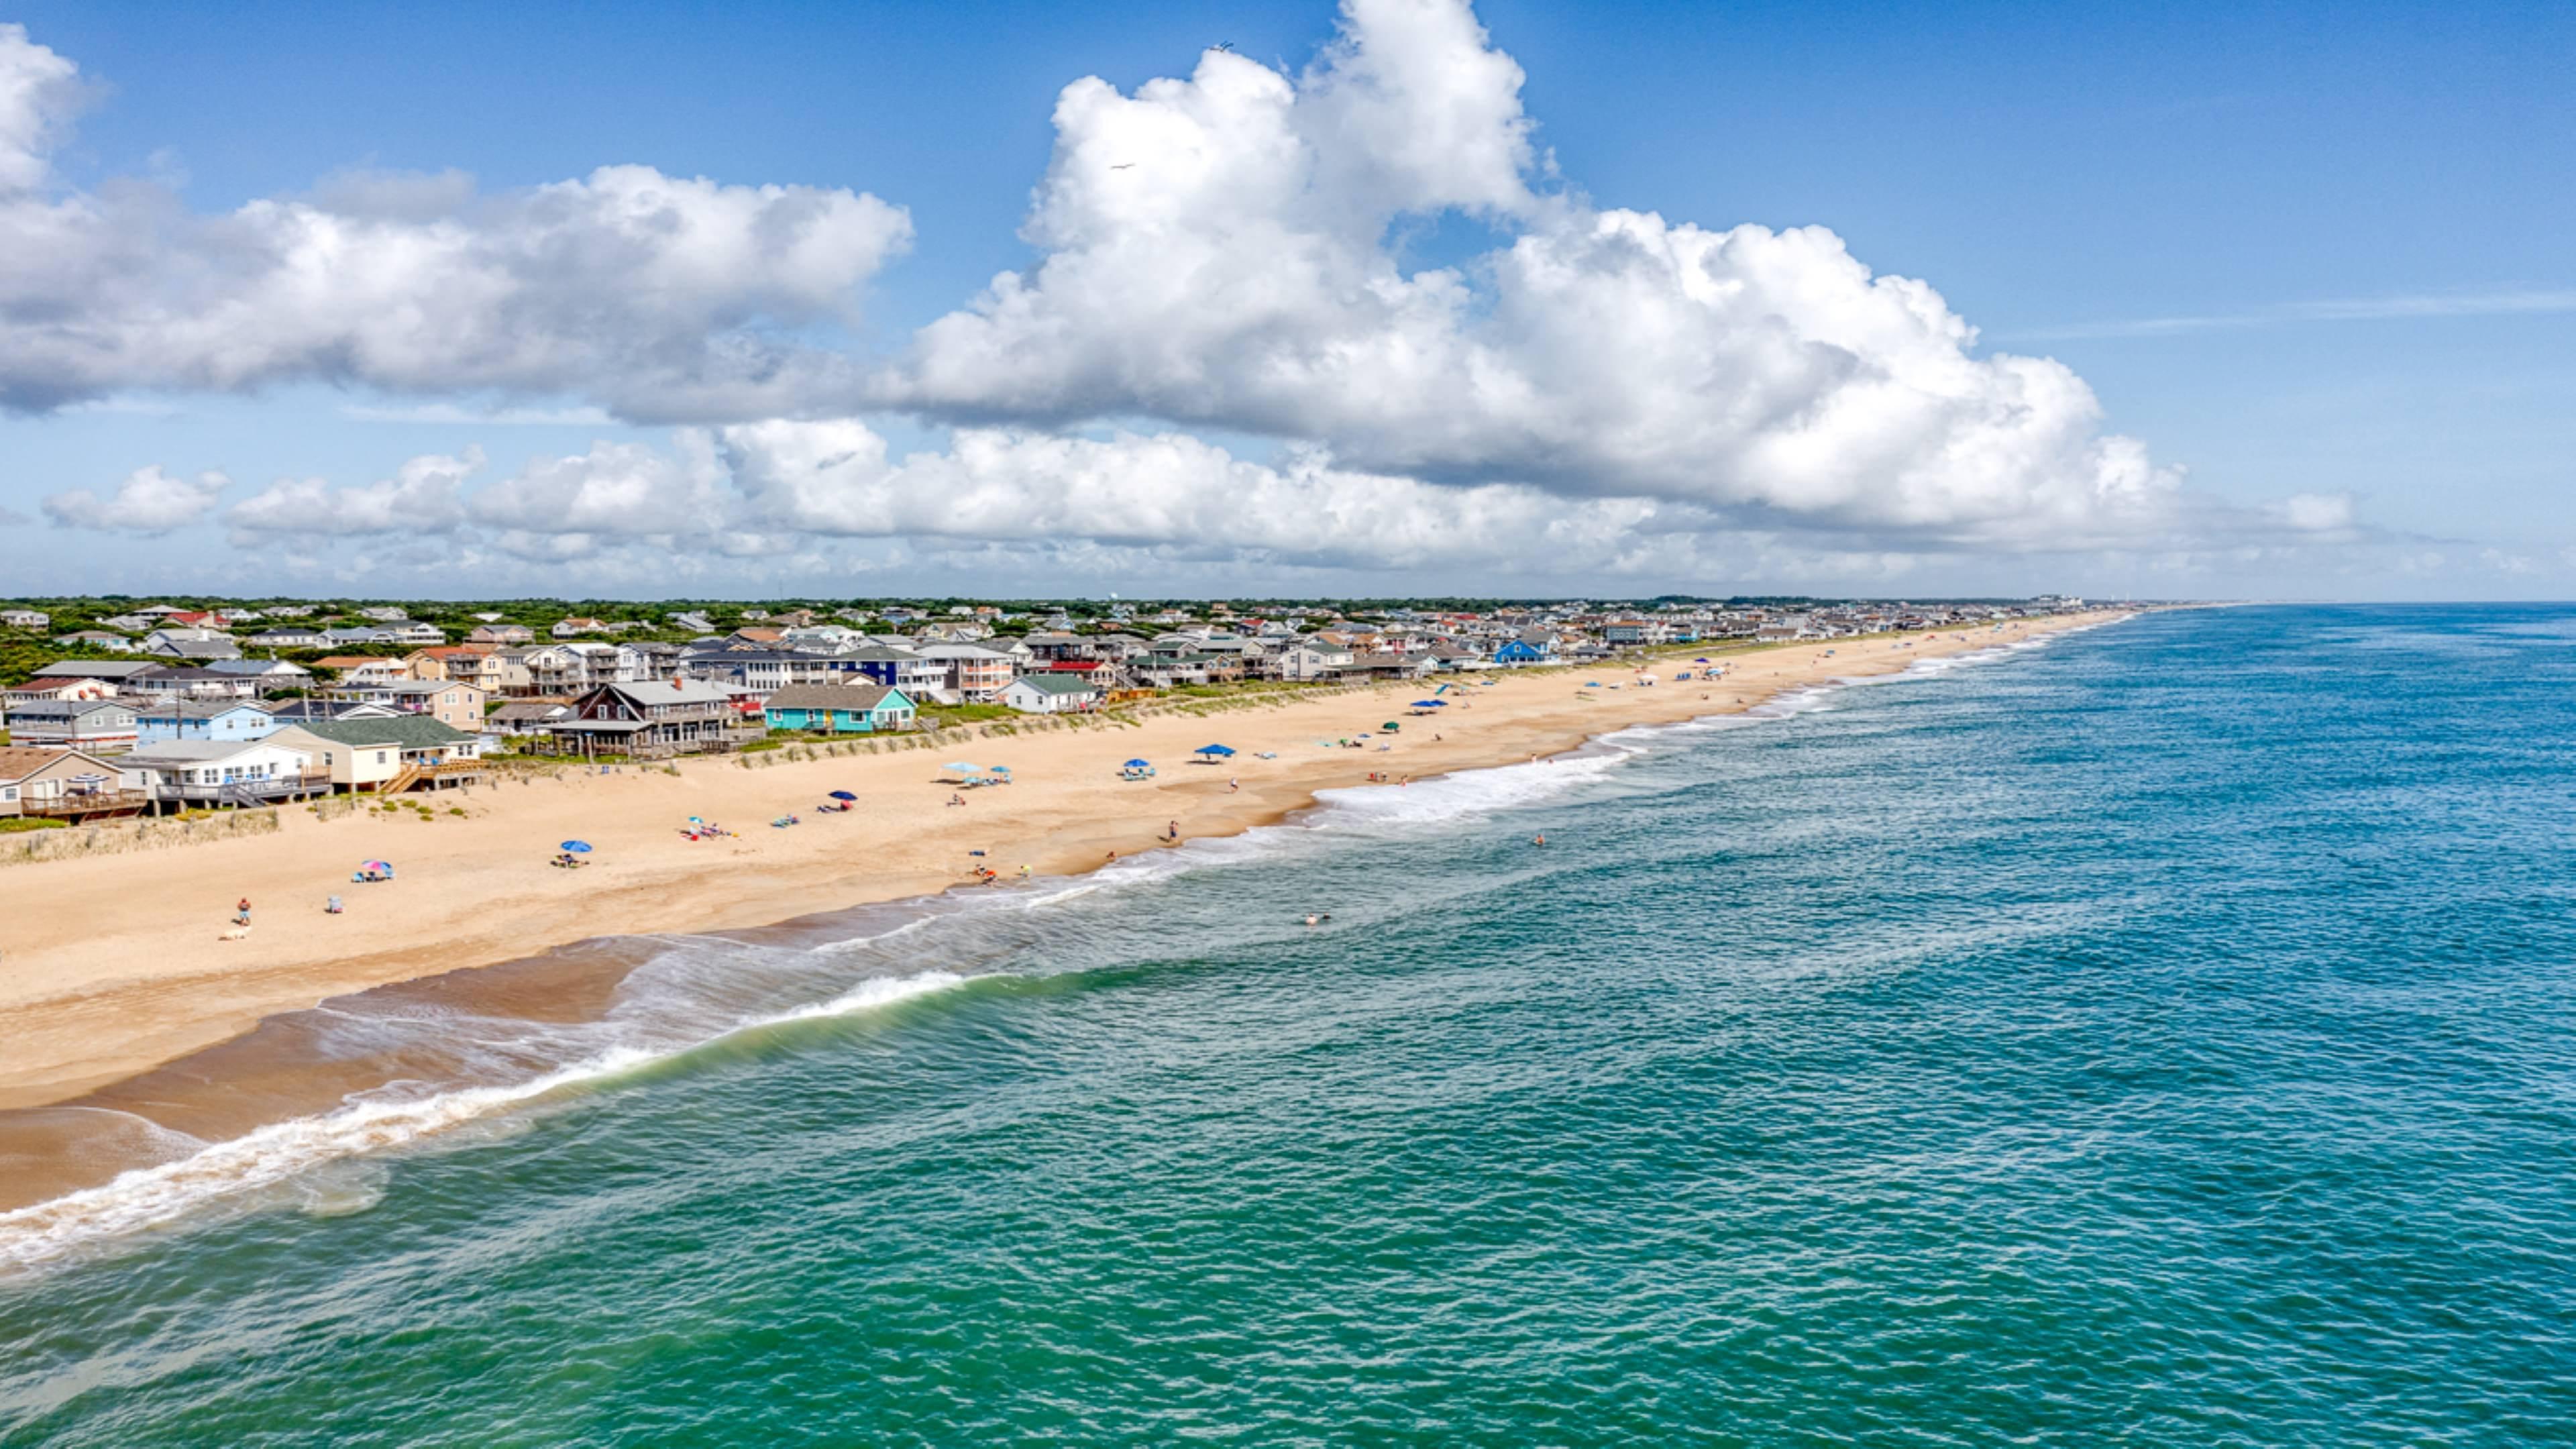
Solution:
(1225, 45)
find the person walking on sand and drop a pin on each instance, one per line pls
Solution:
(1173, 831)
(1233, 785)
(241, 912)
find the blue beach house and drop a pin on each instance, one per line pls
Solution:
(211, 721)
(838, 709)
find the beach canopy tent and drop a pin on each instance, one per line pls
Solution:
(1431, 704)
(1219, 750)
(1135, 765)
(843, 795)
(1392, 725)
(577, 847)
(962, 768)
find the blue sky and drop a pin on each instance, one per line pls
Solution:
(2298, 252)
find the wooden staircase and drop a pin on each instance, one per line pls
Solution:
(399, 784)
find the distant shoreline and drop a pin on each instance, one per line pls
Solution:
(126, 1002)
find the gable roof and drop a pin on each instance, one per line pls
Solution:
(853, 697)
(411, 731)
(95, 668)
(1057, 683)
(197, 708)
(17, 762)
(665, 691)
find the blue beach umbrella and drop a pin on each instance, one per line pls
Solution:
(1214, 750)
(577, 847)
(837, 795)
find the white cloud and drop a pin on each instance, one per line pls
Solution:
(614, 491)
(421, 497)
(38, 90)
(149, 501)
(653, 293)
(2516, 302)
(1164, 489)
(1238, 275)
(2318, 512)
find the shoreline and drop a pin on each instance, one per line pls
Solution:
(158, 1023)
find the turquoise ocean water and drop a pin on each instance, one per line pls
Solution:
(2166, 1036)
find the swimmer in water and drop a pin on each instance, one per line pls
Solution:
(1538, 840)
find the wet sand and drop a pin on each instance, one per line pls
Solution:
(122, 1014)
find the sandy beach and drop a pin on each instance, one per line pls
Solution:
(114, 966)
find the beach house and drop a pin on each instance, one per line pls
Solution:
(838, 709)
(387, 755)
(64, 784)
(95, 725)
(650, 719)
(209, 720)
(1052, 693)
(207, 773)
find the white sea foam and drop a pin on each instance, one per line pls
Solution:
(150, 1197)
(698, 991)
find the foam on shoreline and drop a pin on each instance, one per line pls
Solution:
(674, 995)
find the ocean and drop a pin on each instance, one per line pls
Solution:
(2164, 1035)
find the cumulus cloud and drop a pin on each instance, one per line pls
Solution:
(1238, 273)
(656, 294)
(149, 501)
(1168, 489)
(1598, 389)
(38, 90)
(421, 497)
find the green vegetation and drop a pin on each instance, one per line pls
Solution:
(20, 824)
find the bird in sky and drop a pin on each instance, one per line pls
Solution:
(1226, 45)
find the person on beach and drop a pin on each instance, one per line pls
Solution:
(241, 912)
(1172, 831)
(1232, 785)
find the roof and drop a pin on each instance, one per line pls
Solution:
(66, 708)
(352, 661)
(196, 708)
(17, 762)
(192, 752)
(664, 691)
(412, 732)
(95, 668)
(255, 666)
(1057, 683)
(832, 696)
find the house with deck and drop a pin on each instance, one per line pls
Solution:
(65, 785)
(213, 774)
(652, 719)
(387, 756)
